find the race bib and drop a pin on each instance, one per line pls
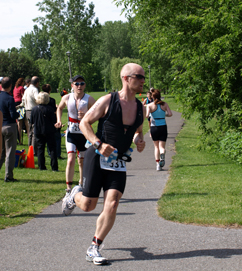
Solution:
(117, 165)
(74, 128)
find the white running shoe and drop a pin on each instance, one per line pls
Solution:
(93, 255)
(68, 203)
(68, 192)
(158, 168)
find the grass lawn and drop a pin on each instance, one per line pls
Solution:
(203, 188)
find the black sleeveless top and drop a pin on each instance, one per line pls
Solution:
(111, 129)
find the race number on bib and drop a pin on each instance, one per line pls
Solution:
(74, 128)
(117, 165)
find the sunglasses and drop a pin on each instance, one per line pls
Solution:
(79, 84)
(138, 76)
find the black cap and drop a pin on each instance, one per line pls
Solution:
(77, 77)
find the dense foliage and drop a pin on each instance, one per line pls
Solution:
(203, 41)
(16, 65)
(115, 41)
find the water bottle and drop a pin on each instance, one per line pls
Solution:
(88, 144)
(112, 157)
(129, 152)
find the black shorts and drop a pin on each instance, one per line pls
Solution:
(158, 133)
(78, 140)
(96, 178)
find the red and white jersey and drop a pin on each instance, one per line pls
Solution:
(73, 121)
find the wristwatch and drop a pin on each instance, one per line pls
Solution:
(97, 144)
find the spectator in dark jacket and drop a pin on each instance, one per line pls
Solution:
(47, 88)
(43, 118)
(9, 129)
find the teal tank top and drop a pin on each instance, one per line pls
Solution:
(158, 117)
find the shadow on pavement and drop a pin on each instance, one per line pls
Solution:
(141, 255)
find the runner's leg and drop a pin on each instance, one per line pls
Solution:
(70, 169)
(162, 146)
(107, 217)
(80, 159)
(156, 150)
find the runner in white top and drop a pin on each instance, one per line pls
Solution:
(77, 105)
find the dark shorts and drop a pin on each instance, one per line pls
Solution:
(158, 133)
(78, 140)
(95, 178)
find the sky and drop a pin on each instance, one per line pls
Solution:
(17, 18)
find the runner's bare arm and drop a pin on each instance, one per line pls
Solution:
(139, 137)
(59, 110)
(168, 111)
(147, 111)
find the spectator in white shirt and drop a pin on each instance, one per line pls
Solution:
(29, 102)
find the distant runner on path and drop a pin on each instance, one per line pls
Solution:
(158, 111)
(77, 105)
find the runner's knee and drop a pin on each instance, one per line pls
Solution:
(87, 205)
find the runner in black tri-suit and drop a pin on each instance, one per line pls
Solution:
(120, 117)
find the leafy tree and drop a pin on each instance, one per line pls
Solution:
(36, 44)
(47, 77)
(203, 40)
(15, 65)
(115, 41)
(70, 28)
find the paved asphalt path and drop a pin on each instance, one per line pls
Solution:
(139, 240)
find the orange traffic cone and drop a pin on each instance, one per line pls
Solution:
(142, 99)
(30, 158)
(140, 94)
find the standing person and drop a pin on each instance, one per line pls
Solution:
(147, 101)
(29, 102)
(120, 116)
(43, 118)
(63, 92)
(9, 129)
(77, 105)
(47, 88)
(27, 83)
(18, 93)
(157, 111)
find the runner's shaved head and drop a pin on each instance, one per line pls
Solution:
(128, 69)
